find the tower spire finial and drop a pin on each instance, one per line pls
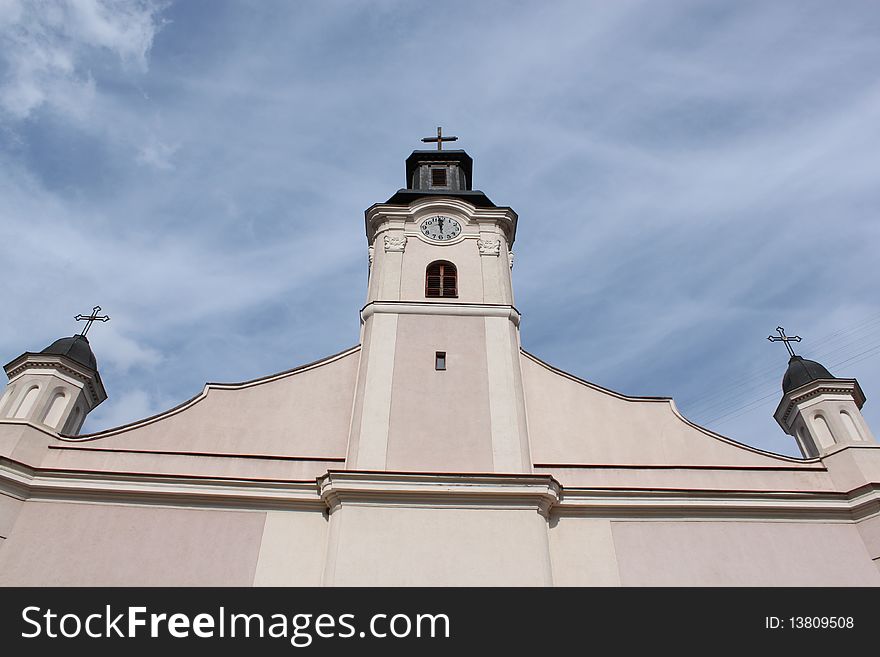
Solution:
(439, 139)
(90, 319)
(785, 339)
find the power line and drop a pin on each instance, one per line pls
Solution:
(763, 375)
(732, 400)
(705, 403)
(742, 409)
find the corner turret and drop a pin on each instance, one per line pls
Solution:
(821, 411)
(56, 387)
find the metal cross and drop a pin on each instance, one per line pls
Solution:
(783, 338)
(89, 319)
(439, 139)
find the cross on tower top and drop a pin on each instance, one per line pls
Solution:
(439, 139)
(785, 339)
(90, 319)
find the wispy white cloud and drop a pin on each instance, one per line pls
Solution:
(131, 405)
(705, 171)
(48, 48)
(158, 155)
(123, 353)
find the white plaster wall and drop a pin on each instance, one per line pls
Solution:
(854, 466)
(6, 400)
(440, 419)
(496, 269)
(388, 270)
(741, 553)
(368, 445)
(55, 413)
(509, 434)
(92, 457)
(73, 544)
(10, 436)
(25, 443)
(292, 549)
(9, 509)
(356, 415)
(869, 528)
(582, 552)
(26, 403)
(409, 546)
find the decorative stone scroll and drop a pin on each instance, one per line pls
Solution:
(395, 243)
(489, 247)
(371, 251)
(510, 258)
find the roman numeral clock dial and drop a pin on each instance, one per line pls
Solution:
(440, 228)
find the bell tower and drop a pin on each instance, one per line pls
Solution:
(439, 385)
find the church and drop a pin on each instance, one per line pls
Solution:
(435, 452)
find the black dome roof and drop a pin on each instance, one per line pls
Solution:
(801, 371)
(76, 348)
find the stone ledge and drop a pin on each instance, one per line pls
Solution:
(341, 488)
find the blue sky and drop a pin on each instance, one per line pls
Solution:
(688, 175)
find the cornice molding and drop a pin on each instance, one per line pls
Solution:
(338, 488)
(90, 379)
(438, 308)
(503, 217)
(42, 428)
(664, 504)
(45, 484)
(344, 488)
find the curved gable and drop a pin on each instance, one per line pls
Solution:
(572, 421)
(302, 412)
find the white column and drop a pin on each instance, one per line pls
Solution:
(372, 443)
(509, 446)
(390, 266)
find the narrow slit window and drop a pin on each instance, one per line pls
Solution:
(441, 280)
(440, 360)
(438, 177)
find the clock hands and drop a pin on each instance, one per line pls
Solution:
(441, 228)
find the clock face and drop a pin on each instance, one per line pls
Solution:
(441, 228)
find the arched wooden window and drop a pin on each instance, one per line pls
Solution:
(441, 280)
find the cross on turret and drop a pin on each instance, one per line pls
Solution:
(439, 139)
(90, 319)
(785, 339)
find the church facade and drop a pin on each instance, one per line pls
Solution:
(435, 452)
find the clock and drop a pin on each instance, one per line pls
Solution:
(441, 228)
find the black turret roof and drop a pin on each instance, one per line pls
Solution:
(801, 371)
(76, 348)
